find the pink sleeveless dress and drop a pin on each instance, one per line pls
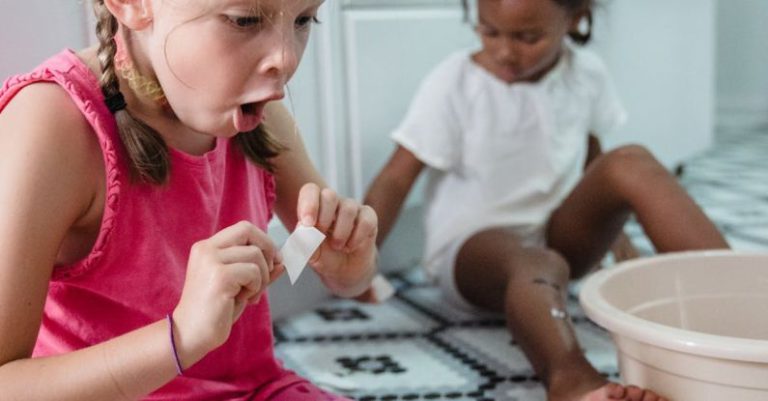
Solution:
(135, 272)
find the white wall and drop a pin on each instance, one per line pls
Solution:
(662, 56)
(33, 30)
(742, 63)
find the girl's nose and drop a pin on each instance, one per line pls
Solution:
(281, 60)
(507, 50)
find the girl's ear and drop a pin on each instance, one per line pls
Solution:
(133, 14)
(577, 21)
(580, 29)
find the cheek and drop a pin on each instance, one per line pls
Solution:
(542, 55)
(201, 67)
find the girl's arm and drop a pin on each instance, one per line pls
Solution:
(390, 188)
(49, 164)
(346, 260)
(51, 177)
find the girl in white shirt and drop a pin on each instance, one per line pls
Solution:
(505, 134)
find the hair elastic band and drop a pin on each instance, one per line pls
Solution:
(115, 102)
(173, 346)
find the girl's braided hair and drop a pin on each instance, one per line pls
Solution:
(145, 148)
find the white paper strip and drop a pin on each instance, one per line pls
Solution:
(298, 248)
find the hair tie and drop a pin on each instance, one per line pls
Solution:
(176, 359)
(115, 102)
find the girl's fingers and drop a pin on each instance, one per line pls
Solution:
(236, 234)
(345, 223)
(276, 273)
(250, 279)
(270, 278)
(265, 279)
(243, 254)
(329, 205)
(245, 234)
(308, 205)
(365, 231)
(242, 278)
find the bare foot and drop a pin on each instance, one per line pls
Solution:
(617, 392)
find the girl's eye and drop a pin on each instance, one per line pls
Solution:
(486, 31)
(244, 22)
(306, 22)
(530, 38)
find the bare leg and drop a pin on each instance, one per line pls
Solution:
(622, 181)
(528, 284)
(626, 180)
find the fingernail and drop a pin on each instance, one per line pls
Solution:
(308, 221)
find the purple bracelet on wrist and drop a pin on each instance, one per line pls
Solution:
(173, 345)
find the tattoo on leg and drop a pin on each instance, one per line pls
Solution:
(555, 312)
(558, 313)
(541, 281)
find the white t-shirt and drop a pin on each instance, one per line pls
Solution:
(500, 154)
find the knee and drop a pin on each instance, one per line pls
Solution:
(542, 264)
(630, 165)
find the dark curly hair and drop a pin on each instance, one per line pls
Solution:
(573, 6)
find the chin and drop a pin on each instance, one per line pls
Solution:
(220, 130)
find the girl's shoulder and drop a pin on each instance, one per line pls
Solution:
(454, 75)
(586, 62)
(43, 123)
(55, 103)
(45, 112)
(453, 67)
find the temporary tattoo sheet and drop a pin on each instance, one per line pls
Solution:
(298, 248)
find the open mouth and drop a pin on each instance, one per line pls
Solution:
(248, 116)
(250, 108)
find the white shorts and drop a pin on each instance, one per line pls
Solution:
(443, 265)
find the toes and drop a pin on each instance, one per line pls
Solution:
(635, 393)
(615, 391)
(651, 396)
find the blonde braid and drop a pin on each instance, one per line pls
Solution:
(145, 148)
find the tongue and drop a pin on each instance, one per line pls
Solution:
(245, 122)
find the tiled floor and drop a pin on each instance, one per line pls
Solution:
(415, 347)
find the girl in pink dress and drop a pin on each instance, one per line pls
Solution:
(137, 179)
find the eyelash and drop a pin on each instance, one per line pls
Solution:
(306, 22)
(245, 23)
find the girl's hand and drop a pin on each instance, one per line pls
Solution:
(225, 273)
(346, 259)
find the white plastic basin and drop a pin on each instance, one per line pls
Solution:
(690, 326)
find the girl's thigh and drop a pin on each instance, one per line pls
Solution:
(587, 222)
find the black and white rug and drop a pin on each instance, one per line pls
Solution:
(416, 347)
